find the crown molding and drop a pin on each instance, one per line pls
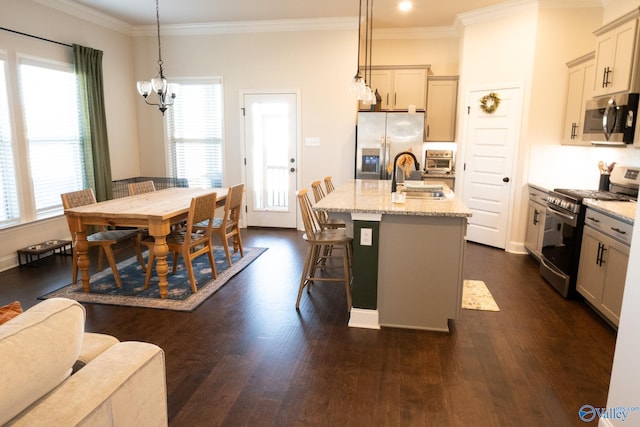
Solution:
(508, 8)
(415, 33)
(88, 14)
(239, 27)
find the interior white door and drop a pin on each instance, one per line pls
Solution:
(491, 142)
(271, 142)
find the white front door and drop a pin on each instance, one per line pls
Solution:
(492, 139)
(271, 142)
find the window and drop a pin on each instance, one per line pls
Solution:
(56, 154)
(194, 129)
(45, 157)
(9, 211)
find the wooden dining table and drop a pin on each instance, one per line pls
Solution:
(157, 211)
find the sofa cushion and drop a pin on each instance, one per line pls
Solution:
(9, 311)
(37, 351)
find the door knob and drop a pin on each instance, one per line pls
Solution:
(505, 179)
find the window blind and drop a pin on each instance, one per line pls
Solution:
(9, 209)
(194, 129)
(56, 159)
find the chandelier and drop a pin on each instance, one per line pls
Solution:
(165, 92)
(359, 85)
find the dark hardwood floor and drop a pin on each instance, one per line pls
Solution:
(247, 357)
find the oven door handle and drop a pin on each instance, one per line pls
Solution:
(561, 214)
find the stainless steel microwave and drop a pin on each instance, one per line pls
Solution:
(611, 119)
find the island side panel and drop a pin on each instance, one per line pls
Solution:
(420, 271)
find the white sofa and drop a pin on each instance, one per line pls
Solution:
(55, 374)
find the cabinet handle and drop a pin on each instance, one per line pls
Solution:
(599, 254)
(617, 230)
(427, 131)
(605, 77)
(535, 216)
(596, 220)
(387, 98)
(602, 261)
(574, 130)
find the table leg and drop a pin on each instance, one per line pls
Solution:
(160, 251)
(82, 247)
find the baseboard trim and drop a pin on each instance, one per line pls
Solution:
(361, 318)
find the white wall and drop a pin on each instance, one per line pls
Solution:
(320, 64)
(120, 97)
(442, 53)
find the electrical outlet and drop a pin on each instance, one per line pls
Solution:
(366, 237)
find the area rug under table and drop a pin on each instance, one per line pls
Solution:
(476, 296)
(179, 294)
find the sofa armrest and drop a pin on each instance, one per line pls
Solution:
(124, 386)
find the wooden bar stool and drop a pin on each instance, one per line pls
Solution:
(318, 239)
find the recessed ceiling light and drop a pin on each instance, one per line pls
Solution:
(405, 6)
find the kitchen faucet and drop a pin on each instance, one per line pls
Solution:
(395, 160)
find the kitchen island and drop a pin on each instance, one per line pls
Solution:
(408, 257)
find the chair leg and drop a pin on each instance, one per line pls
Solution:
(237, 242)
(74, 268)
(225, 244)
(189, 266)
(347, 275)
(136, 244)
(147, 276)
(174, 261)
(305, 270)
(100, 258)
(114, 267)
(212, 261)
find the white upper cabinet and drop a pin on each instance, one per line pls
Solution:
(581, 75)
(398, 87)
(616, 53)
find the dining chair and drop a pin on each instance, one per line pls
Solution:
(317, 239)
(191, 241)
(228, 226)
(141, 187)
(328, 183)
(323, 216)
(104, 239)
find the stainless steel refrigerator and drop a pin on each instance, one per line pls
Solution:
(382, 135)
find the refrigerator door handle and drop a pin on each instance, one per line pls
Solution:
(387, 145)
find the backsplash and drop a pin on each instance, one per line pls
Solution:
(558, 166)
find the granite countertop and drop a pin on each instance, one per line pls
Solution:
(374, 196)
(539, 187)
(624, 211)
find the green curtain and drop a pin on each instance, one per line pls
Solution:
(88, 68)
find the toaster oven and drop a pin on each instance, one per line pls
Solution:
(438, 161)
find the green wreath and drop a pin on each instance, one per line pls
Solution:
(489, 103)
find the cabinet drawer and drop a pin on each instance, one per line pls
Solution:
(537, 195)
(612, 227)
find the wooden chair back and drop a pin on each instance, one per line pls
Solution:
(78, 198)
(202, 210)
(309, 218)
(141, 187)
(318, 192)
(328, 184)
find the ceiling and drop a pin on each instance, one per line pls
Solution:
(425, 13)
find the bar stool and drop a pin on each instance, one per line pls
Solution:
(318, 239)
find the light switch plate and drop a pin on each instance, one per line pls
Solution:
(366, 237)
(312, 141)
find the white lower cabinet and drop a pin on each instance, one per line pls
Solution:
(603, 264)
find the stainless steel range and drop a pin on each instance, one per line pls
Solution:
(565, 222)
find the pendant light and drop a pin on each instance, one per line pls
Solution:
(165, 92)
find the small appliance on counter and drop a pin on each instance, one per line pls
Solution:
(438, 161)
(564, 223)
